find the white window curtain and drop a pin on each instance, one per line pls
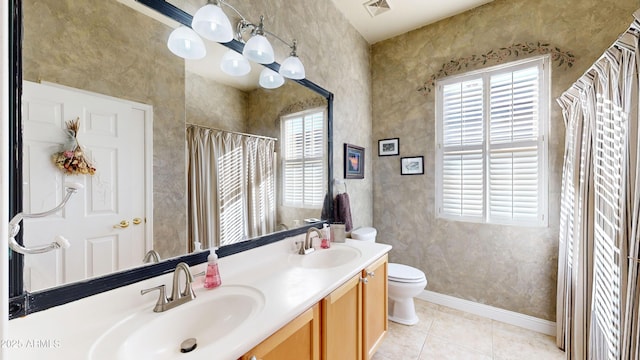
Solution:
(230, 186)
(597, 307)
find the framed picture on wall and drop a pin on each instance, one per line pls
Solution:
(412, 165)
(353, 162)
(389, 147)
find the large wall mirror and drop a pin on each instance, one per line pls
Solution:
(186, 157)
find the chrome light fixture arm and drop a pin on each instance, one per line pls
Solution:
(218, 2)
(60, 242)
(244, 25)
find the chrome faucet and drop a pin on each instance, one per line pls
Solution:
(178, 297)
(151, 256)
(307, 245)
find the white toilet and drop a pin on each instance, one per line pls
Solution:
(405, 282)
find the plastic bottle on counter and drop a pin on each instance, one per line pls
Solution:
(326, 237)
(212, 277)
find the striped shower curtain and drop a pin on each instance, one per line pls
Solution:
(599, 248)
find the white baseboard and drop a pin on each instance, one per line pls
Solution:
(505, 316)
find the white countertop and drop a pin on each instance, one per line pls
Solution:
(69, 331)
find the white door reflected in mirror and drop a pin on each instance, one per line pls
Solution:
(111, 134)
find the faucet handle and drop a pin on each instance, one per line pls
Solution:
(300, 247)
(162, 298)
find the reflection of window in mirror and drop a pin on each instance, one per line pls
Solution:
(231, 196)
(302, 158)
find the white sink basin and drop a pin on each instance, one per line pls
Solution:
(336, 255)
(208, 318)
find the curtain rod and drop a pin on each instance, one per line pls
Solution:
(625, 41)
(232, 132)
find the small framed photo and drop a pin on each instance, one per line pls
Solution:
(353, 162)
(389, 147)
(412, 165)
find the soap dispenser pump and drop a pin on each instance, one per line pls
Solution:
(212, 276)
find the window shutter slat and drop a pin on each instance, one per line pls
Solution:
(514, 104)
(462, 184)
(513, 189)
(463, 113)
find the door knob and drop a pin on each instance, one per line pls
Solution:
(123, 224)
(136, 221)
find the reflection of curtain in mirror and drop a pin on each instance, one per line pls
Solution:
(231, 186)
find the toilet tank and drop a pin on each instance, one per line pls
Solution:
(364, 233)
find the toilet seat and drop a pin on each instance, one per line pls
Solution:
(404, 274)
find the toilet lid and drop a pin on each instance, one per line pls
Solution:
(404, 273)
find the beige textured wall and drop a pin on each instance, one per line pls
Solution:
(503, 266)
(105, 47)
(210, 103)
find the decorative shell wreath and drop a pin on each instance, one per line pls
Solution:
(72, 161)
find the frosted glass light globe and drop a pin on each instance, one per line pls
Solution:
(270, 79)
(184, 42)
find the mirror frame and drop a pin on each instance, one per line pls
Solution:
(22, 303)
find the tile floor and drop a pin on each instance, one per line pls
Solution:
(444, 333)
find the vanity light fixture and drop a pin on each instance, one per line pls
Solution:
(234, 64)
(185, 43)
(258, 48)
(270, 79)
(292, 67)
(211, 23)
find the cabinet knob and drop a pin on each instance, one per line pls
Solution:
(371, 273)
(253, 358)
(364, 280)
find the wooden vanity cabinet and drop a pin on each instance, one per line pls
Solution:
(354, 316)
(298, 340)
(342, 322)
(348, 324)
(374, 306)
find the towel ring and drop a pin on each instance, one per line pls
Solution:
(340, 182)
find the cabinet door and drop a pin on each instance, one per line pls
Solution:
(374, 306)
(298, 340)
(341, 322)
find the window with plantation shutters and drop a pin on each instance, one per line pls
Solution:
(491, 145)
(303, 161)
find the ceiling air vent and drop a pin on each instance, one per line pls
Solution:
(377, 7)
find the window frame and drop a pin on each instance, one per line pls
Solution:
(544, 111)
(283, 159)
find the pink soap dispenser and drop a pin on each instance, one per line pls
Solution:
(212, 276)
(326, 237)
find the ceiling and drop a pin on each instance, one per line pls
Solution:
(395, 17)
